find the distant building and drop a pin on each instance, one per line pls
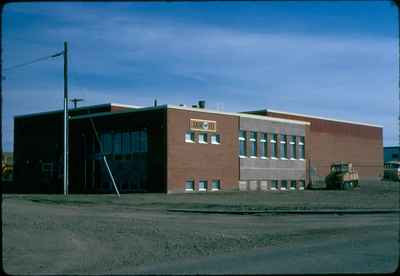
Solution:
(7, 166)
(176, 149)
(391, 153)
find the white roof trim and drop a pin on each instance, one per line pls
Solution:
(260, 117)
(103, 114)
(126, 105)
(323, 118)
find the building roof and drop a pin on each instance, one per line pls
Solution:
(317, 117)
(88, 107)
(243, 115)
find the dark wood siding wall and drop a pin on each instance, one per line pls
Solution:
(154, 121)
(38, 140)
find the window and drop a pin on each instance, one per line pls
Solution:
(126, 145)
(189, 185)
(134, 142)
(215, 139)
(189, 137)
(144, 140)
(274, 184)
(253, 144)
(203, 185)
(117, 143)
(216, 185)
(203, 138)
(293, 185)
(106, 143)
(283, 184)
(301, 147)
(283, 144)
(302, 184)
(264, 145)
(242, 143)
(293, 153)
(274, 146)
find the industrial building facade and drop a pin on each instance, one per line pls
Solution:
(170, 149)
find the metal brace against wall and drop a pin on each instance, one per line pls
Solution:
(104, 156)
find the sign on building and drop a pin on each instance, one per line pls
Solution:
(203, 125)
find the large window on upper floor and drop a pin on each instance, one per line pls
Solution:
(283, 143)
(123, 143)
(274, 146)
(301, 148)
(242, 143)
(293, 149)
(107, 143)
(253, 144)
(264, 145)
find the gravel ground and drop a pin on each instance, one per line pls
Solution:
(101, 234)
(372, 194)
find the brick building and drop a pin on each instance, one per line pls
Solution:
(333, 140)
(172, 149)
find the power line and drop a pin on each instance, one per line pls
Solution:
(32, 61)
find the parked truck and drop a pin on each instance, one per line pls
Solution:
(342, 176)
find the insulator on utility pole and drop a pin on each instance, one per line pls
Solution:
(75, 101)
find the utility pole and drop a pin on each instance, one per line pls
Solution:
(66, 148)
(75, 101)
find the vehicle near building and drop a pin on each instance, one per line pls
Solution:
(392, 171)
(342, 177)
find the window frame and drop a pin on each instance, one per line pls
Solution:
(274, 146)
(201, 135)
(218, 139)
(302, 148)
(193, 185)
(253, 143)
(203, 189)
(264, 145)
(274, 187)
(192, 141)
(295, 184)
(212, 185)
(242, 139)
(283, 143)
(293, 151)
(302, 184)
(284, 188)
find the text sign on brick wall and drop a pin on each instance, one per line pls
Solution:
(203, 125)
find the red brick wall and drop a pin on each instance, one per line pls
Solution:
(336, 141)
(201, 161)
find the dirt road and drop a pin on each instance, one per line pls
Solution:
(75, 238)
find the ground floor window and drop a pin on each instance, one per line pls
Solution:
(293, 185)
(274, 184)
(302, 184)
(216, 185)
(203, 185)
(189, 185)
(284, 185)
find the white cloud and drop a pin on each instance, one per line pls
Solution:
(148, 57)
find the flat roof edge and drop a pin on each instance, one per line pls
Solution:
(62, 110)
(104, 114)
(322, 118)
(261, 117)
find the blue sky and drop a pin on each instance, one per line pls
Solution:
(332, 59)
